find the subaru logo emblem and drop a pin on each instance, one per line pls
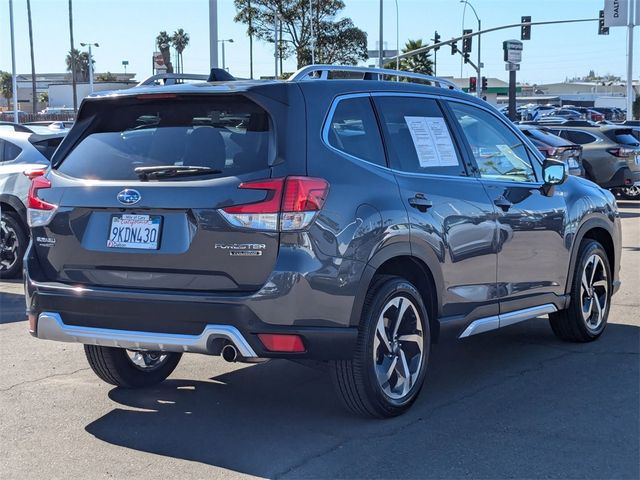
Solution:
(129, 196)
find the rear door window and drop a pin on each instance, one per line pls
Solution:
(579, 137)
(10, 151)
(230, 134)
(353, 129)
(417, 136)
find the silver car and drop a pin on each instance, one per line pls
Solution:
(19, 152)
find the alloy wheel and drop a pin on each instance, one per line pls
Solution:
(594, 292)
(146, 360)
(9, 245)
(632, 192)
(398, 347)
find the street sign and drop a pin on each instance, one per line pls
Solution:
(512, 67)
(512, 51)
(616, 13)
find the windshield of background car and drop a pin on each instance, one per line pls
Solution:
(229, 134)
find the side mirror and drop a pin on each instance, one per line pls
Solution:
(554, 172)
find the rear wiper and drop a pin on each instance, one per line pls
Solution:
(170, 171)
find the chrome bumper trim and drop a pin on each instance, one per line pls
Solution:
(504, 319)
(51, 327)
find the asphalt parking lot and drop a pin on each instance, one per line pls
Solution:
(513, 403)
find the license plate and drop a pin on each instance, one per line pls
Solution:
(573, 163)
(134, 231)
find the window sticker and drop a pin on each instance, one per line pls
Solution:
(432, 142)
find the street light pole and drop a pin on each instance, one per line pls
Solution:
(630, 26)
(230, 40)
(478, 70)
(397, 36)
(88, 44)
(381, 47)
(14, 83)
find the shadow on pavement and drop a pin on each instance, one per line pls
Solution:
(628, 204)
(511, 403)
(12, 308)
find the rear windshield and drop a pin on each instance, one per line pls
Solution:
(623, 137)
(229, 134)
(545, 137)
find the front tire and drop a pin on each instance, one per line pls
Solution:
(130, 369)
(586, 317)
(388, 368)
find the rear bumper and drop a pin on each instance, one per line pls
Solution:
(624, 177)
(179, 322)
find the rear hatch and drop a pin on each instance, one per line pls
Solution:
(556, 147)
(628, 146)
(138, 195)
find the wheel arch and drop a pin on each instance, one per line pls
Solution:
(14, 204)
(423, 271)
(595, 229)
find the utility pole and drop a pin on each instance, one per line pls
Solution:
(213, 33)
(250, 40)
(14, 83)
(275, 44)
(73, 59)
(34, 100)
(313, 38)
(630, 24)
(381, 47)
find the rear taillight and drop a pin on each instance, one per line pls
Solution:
(289, 204)
(282, 342)
(621, 152)
(39, 212)
(551, 152)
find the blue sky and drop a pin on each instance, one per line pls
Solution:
(126, 29)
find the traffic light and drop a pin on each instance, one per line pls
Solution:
(466, 41)
(525, 30)
(484, 83)
(436, 39)
(466, 57)
(454, 48)
(473, 84)
(602, 30)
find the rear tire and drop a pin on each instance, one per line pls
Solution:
(117, 366)
(13, 245)
(586, 317)
(630, 193)
(388, 368)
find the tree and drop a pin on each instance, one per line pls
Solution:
(44, 98)
(106, 77)
(420, 63)
(163, 41)
(337, 41)
(180, 40)
(6, 86)
(81, 64)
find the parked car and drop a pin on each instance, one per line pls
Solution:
(565, 113)
(610, 155)
(611, 113)
(552, 146)
(19, 152)
(589, 114)
(343, 221)
(14, 127)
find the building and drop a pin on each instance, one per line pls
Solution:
(45, 80)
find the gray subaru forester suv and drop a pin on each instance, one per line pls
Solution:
(339, 216)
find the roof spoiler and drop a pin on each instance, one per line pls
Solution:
(220, 75)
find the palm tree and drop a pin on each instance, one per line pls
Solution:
(180, 40)
(420, 63)
(163, 41)
(6, 86)
(34, 102)
(81, 64)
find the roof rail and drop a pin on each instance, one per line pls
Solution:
(171, 78)
(321, 72)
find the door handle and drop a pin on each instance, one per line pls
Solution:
(503, 203)
(420, 202)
